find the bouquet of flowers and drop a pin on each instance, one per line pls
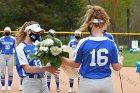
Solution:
(49, 52)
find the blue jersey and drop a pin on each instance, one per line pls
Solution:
(7, 45)
(73, 44)
(23, 51)
(109, 36)
(95, 54)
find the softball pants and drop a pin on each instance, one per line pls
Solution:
(6, 60)
(95, 85)
(34, 85)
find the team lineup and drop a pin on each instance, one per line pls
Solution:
(93, 56)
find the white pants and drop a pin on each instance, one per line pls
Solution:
(96, 85)
(34, 85)
(6, 60)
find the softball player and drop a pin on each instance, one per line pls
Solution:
(73, 44)
(95, 54)
(31, 70)
(52, 33)
(7, 46)
(21, 79)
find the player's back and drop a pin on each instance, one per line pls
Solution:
(96, 54)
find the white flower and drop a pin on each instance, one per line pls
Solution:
(55, 50)
(47, 42)
(38, 54)
(41, 48)
(37, 43)
(48, 65)
(45, 49)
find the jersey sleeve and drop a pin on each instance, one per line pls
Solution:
(21, 55)
(114, 54)
(69, 44)
(79, 52)
(112, 38)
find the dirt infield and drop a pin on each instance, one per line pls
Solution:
(130, 82)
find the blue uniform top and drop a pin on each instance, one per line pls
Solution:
(109, 36)
(73, 44)
(23, 51)
(7, 45)
(95, 54)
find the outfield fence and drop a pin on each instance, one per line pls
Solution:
(120, 38)
(71, 33)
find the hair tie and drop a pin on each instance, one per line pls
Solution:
(97, 21)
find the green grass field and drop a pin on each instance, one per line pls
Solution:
(130, 58)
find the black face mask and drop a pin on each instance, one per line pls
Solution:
(33, 36)
(77, 37)
(7, 33)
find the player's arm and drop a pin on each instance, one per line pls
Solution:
(31, 69)
(118, 65)
(117, 61)
(70, 62)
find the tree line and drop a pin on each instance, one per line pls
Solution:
(67, 15)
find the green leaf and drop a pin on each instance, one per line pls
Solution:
(32, 56)
(43, 58)
(56, 64)
(66, 54)
(57, 42)
(52, 59)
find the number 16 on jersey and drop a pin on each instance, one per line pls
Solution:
(101, 60)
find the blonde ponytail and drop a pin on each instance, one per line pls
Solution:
(97, 14)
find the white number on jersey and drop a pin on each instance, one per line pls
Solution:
(37, 63)
(7, 47)
(99, 57)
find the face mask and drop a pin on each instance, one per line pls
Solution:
(77, 37)
(7, 33)
(33, 36)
